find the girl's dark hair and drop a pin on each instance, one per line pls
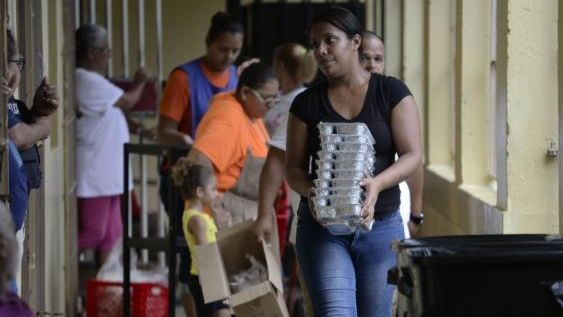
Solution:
(340, 18)
(189, 177)
(222, 22)
(12, 46)
(88, 36)
(256, 75)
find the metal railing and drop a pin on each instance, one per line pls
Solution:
(4, 182)
(168, 244)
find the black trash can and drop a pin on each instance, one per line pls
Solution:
(480, 275)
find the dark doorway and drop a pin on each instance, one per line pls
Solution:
(269, 24)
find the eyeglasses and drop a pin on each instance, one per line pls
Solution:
(19, 62)
(269, 100)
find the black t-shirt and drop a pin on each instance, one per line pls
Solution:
(384, 93)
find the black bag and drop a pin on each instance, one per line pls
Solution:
(30, 157)
(32, 164)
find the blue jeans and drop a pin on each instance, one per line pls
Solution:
(347, 275)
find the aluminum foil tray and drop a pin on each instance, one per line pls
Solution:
(345, 191)
(354, 147)
(340, 212)
(341, 174)
(355, 165)
(337, 201)
(347, 138)
(327, 128)
(347, 155)
(336, 183)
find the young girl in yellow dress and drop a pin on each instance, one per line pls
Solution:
(199, 188)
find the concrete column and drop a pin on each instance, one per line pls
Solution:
(440, 83)
(392, 38)
(560, 124)
(412, 67)
(531, 94)
(370, 14)
(56, 272)
(472, 101)
(501, 95)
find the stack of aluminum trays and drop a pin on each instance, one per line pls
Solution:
(346, 157)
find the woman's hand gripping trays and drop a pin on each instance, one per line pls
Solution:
(371, 190)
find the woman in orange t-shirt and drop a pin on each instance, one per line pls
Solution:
(233, 127)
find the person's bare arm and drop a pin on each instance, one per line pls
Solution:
(245, 64)
(405, 127)
(168, 133)
(271, 180)
(415, 183)
(45, 101)
(197, 228)
(297, 161)
(297, 158)
(26, 135)
(132, 96)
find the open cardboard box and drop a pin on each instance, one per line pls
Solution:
(226, 257)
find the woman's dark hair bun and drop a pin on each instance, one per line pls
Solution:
(222, 22)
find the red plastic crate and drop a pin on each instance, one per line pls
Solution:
(105, 299)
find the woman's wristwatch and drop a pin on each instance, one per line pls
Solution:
(418, 220)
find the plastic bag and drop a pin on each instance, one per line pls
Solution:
(256, 274)
(112, 269)
(557, 290)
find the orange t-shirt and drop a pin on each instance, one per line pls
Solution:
(224, 135)
(175, 103)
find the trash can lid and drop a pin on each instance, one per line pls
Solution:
(532, 247)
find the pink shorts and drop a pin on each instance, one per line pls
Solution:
(99, 222)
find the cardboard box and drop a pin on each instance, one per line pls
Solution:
(226, 257)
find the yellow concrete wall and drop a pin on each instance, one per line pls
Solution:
(438, 108)
(440, 86)
(392, 37)
(532, 92)
(459, 195)
(444, 59)
(560, 70)
(54, 162)
(53, 242)
(185, 25)
(472, 104)
(412, 63)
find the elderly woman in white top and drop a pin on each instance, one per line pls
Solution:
(101, 131)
